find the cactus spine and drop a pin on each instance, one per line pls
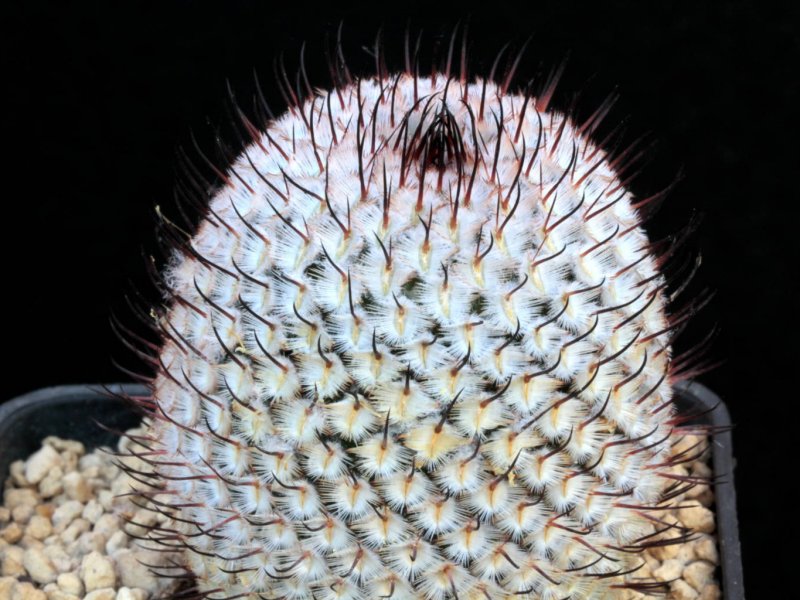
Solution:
(417, 348)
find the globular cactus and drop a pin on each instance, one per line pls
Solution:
(417, 348)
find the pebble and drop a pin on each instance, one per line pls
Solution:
(70, 583)
(69, 461)
(38, 566)
(41, 463)
(27, 542)
(108, 593)
(65, 514)
(62, 445)
(97, 571)
(76, 528)
(108, 524)
(669, 569)
(106, 498)
(12, 533)
(698, 573)
(55, 593)
(90, 460)
(92, 511)
(118, 540)
(711, 592)
(18, 474)
(682, 590)
(61, 532)
(62, 561)
(26, 591)
(134, 574)
(39, 527)
(126, 593)
(14, 497)
(663, 553)
(686, 553)
(706, 549)
(698, 518)
(141, 522)
(6, 585)
(22, 513)
(53, 484)
(90, 541)
(11, 566)
(701, 469)
(45, 510)
(76, 487)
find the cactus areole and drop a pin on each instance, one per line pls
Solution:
(417, 348)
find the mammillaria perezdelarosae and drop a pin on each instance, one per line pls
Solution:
(418, 347)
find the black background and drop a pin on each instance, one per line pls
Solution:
(98, 99)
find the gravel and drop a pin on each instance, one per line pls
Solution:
(64, 536)
(691, 568)
(63, 530)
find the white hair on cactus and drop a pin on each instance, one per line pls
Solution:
(382, 456)
(349, 499)
(406, 490)
(417, 348)
(469, 542)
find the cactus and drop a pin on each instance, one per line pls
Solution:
(417, 348)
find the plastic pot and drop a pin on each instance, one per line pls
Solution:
(695, 398)
(68, 412)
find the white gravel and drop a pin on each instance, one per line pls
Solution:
(62, 535)
(691, 567)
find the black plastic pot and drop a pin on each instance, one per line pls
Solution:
(695, 398)
(68, 411)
